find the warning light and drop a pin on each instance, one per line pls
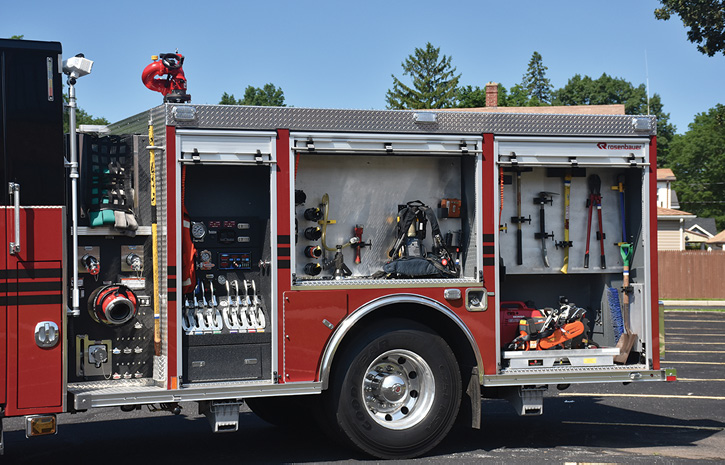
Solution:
(40, 425)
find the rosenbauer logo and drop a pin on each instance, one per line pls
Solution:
(605, 146)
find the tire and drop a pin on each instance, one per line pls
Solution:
(396, 392)
(285, 411)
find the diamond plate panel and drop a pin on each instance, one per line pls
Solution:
(448, 122)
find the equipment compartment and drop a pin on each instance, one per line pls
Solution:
(226, 312)
(353, 196)
(587, 249)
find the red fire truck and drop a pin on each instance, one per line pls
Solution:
(376, 271)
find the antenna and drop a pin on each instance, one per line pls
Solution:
(646, 72)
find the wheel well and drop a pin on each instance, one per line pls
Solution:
(433, 319)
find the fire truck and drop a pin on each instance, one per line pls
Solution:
(379, 272)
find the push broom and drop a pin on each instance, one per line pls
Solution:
(626, 340)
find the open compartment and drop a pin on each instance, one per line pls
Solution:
(353, 197)
(573, 255)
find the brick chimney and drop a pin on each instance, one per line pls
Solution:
(492, 94)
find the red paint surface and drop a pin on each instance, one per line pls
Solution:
(171, 167)
(284, 275)
(3, 313)
(305, 334)
(652, 236)
(34, 374)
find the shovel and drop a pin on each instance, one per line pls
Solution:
(626, 340)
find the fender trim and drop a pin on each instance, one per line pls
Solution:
(347, 324)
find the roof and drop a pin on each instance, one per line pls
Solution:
(617, 109)
(706, 225)
(665, 174)
(668, 213)
(718, 239)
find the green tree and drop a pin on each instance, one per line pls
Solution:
(698, 160)
(267, 96)
(535, 82)
(516, 96)
(435, 84)
(607, 90)
(705, 20)
(82, 116)
(471, 97)
(20, 37)
(228, 99)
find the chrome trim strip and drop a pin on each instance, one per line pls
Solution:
(599, 375)
(357, 315)
(153, 395)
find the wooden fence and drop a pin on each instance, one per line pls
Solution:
(691, 274)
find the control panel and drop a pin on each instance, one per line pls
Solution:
(225, 312)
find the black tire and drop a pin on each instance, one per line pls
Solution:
(396, 391)
(285, 411)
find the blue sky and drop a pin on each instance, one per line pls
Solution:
(338, 54)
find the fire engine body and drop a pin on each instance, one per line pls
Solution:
(232, 253)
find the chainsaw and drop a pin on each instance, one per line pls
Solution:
(552, 330)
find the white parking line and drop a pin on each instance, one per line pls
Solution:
(654, 396)
(646, 425)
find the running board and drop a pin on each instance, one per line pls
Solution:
(551, 358)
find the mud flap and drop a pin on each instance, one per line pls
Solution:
(473, 391)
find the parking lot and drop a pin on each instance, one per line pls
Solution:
(612, 423)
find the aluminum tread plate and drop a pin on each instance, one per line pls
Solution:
(570, 369)
(403, 121)
(394, 121)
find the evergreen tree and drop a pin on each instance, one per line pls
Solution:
(435, 84)
(535, 82)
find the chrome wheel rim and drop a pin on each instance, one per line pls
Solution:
(398, 389)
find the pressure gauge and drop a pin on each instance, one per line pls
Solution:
(198, 230)
(221, 279)
(205, 256)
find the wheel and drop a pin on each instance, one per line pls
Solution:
(285, 411)
(397, 391)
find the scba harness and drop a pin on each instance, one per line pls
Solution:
(409, 257)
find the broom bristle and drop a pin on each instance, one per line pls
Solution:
(616, 311)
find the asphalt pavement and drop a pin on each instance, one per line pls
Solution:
(676, 422)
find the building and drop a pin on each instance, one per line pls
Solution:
(671, 228)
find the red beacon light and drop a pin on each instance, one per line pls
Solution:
(166, 75)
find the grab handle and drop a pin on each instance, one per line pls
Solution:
(14, 189)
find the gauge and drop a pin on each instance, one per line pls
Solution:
(205, 256)
(221, 279)
(198, 230)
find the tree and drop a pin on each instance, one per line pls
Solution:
(435, 84)
(82, 117)
(698, 160)
(704, 18)
(20, 37)
(535, 83)
(607, 90)
(516, 96)
(471, 97)
(267, 96)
